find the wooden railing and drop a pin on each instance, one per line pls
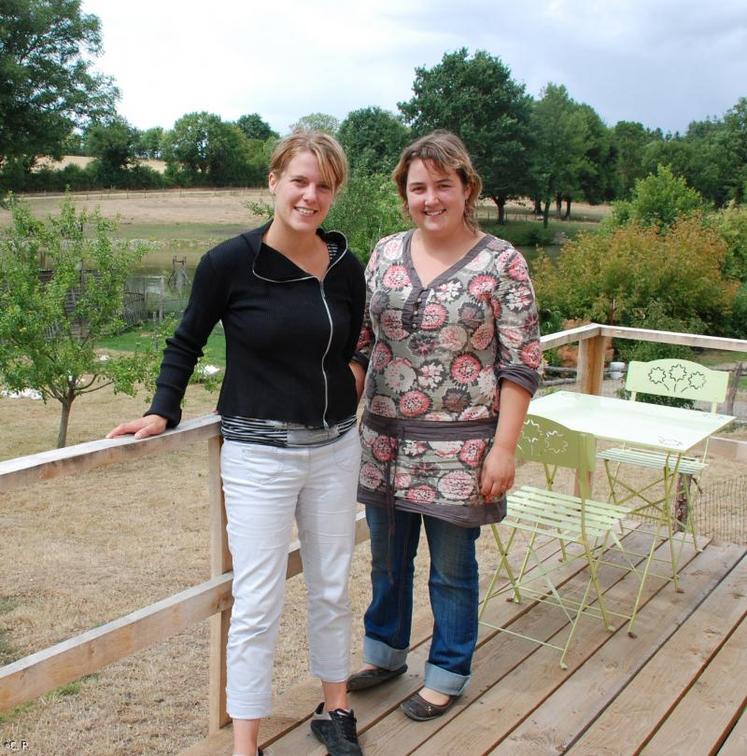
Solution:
(41, 672)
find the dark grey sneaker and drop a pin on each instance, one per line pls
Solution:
(336, 730)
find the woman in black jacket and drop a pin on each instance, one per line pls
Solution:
(290, 297)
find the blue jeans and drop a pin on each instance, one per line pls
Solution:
(453, 588)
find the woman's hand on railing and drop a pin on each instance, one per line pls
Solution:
(150, 425)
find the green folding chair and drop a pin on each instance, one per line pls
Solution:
(672, 378)
(545, 513)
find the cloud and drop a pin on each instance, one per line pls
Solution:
(661, 62)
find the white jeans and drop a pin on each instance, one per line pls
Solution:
(265, 488)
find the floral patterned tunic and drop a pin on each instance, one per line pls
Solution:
(436, 356)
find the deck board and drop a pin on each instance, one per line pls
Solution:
(684, 671)
(626, 724)
(701, 719)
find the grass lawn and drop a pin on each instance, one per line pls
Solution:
(137, 339)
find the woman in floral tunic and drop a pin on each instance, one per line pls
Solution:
(451, 332)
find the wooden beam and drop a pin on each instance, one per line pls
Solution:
(220, 564)
(571, 336)
(37, 674)
(672, 337)
(73, 460)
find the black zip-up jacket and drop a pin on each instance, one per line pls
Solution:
(289, 336)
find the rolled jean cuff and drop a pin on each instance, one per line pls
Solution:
(248, 706)
(380, 655)
(448, 683)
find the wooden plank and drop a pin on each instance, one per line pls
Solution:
(293, 708)
(37, 674)
(682, 630)
(74, 460)
(571, 336)
(84, 654)
(705, 715)
(672, 337)
(736, 742)
(220, 563)
(513, 697)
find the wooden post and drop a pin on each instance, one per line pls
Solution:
(220, 562)
(590, 375)
(591, 364)
(731, 393)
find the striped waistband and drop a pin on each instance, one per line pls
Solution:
(249, 430)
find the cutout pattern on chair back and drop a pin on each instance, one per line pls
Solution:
(551, 443)
(678, 378)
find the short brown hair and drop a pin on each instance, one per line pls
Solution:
(333, 164)
(443, 150)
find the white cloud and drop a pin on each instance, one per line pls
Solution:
(661, 62)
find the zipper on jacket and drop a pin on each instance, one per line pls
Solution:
(326, 352)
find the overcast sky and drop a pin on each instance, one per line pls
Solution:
(664, 63)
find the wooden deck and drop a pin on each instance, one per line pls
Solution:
(679, 687)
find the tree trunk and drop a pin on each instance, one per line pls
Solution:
(67, 404)
(537, 206)
(500, 203)
(546, 213)
(567, 215)
(558, 205)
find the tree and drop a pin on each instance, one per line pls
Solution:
(113, 144)
(477, 99)
(255, 128)
(629, 138)
(149, 143)
(46, 87)
(658, 200)
(640, 277)
(317, 122)
(561, 132)
(202, 149)
(61, 289)
(367, 209)
(373, 139)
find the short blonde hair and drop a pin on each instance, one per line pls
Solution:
(442, 150)
(333, 165)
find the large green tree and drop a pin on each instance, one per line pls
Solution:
(559, 157)
(113, 144)
(476, 98)
(254, 127)
(46, 85)
(373, 139)
(202, 149)
(629, 140)
(61, 289)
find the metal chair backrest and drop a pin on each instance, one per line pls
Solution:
(677, 378)
(555, 445)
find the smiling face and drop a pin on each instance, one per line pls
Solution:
(302, 195)
(435, 199)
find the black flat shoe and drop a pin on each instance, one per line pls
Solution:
(370, 678)
(416, 707)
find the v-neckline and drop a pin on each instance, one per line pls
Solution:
(446, 274)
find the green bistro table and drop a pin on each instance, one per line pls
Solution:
(672, 431)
